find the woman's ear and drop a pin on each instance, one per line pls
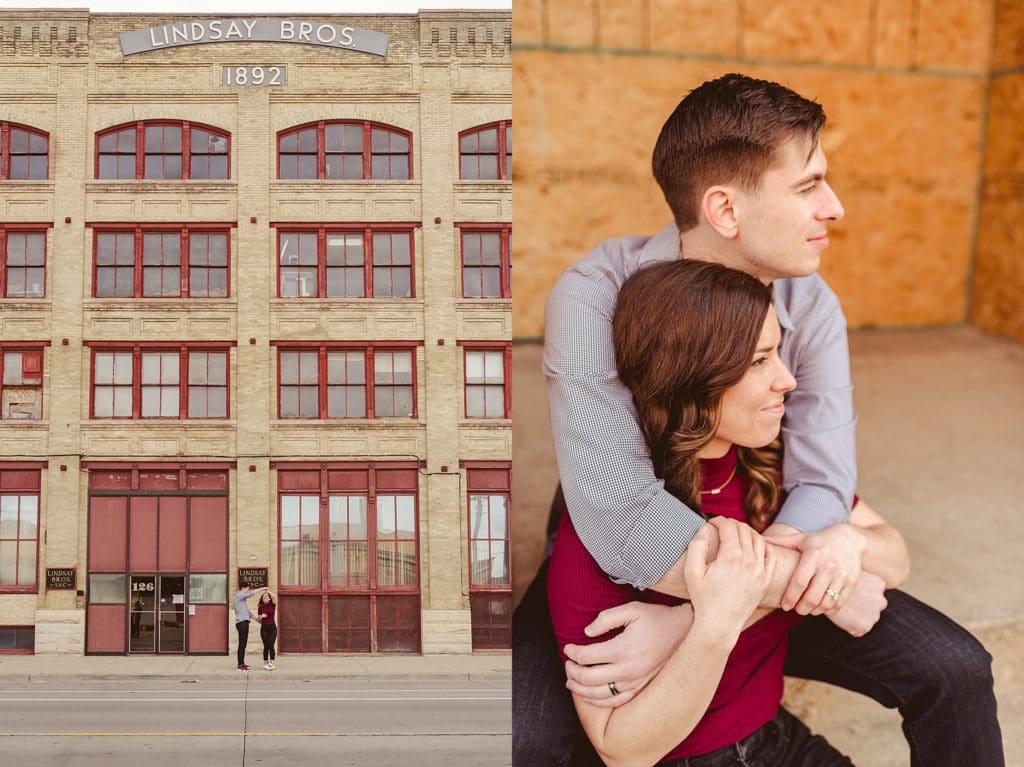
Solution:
(718, 209)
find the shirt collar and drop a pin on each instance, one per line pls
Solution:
(785, 321)
(664, 246)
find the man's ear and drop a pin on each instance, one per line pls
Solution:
(718, 209)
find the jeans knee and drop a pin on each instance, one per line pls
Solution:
(963, 669)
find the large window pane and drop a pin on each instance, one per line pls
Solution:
(208, 588)
(289, 516)
(107, 588)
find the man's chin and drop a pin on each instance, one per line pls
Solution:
(803, 269)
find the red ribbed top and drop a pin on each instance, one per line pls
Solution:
(751, 687)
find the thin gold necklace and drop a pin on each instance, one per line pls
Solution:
(722, 486)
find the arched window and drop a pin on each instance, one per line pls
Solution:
(163, 149)
(340, 150)
(485, 152)
(24, 153)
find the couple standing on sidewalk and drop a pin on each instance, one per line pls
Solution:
(267, 618)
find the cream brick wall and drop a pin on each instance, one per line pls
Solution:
(445, 72)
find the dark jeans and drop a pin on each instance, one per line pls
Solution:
(242, 627)
(784, 742)
(915, 659)
(268, 633)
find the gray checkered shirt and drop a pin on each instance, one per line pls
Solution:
(630, 524)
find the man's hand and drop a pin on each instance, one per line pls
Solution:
(829, 559)
(728, 589)
(864, 607)
(651, 633)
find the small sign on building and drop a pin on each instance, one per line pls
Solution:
(61, 578)
(256, 577)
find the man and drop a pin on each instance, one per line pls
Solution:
(743, 172)
(242, 618)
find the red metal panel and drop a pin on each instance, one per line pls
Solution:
(396, 479)
(105, 628)
(398, 623)
(142, 528)
(108, 535)
(488, 479)
(300, 624)
(208, 534)
(173, 547)
(100, 479)
(206, 480)
(492, 621)
(356, 479)
(208, 629)
(160, 480)
(16, 479)
(348, 624)
(298, 480)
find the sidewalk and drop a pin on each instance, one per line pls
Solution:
(473, 668)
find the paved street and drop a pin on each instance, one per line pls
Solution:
(254, 720)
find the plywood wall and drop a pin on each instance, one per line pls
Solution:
(907, 86)
(998, 290)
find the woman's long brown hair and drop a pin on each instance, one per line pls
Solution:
(684, 332)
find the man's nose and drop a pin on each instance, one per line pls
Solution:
(831, 209)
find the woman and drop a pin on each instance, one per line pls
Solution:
(697, 345)
(267, 612)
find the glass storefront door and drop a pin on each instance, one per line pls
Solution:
(171, 629)
(142, 632)
(157, 614)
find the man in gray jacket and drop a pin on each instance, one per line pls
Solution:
(243, 616)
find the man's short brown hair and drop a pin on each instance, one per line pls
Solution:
(726, 131)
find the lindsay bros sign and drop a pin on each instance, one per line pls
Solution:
(253, 31)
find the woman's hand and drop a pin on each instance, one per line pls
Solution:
(864, 607)
(830, 560)
(726, 591)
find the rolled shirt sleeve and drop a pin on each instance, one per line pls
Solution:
(631, 525)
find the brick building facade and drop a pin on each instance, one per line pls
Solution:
(255, 314)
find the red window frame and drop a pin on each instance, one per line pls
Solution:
(29, 631)
(125, 146)
(469, 140)
(505, 348)
(22, 479)
(8, 155)
(17, 230)
(184, 352)
(344, 479)
(473, 274)
(324, 383)
(368, 150)
(373, 263)
(187, 269)
(490, 602)
(32, 368)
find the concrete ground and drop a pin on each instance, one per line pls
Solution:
(495, 667)
(940, 438)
